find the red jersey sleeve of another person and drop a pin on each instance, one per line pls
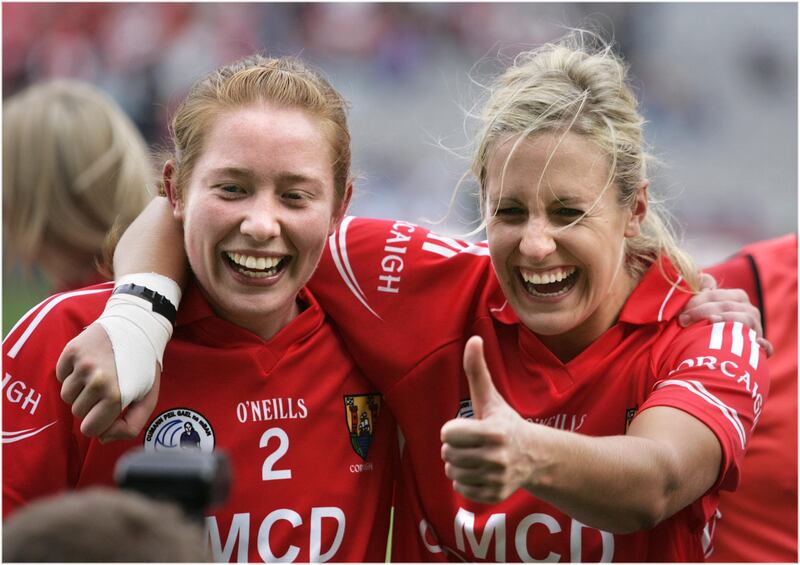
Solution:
(397, 292)
(39, 431)
(758, 522)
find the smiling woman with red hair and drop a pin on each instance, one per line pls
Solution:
(258, 180)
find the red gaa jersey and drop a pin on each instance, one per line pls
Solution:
(759, 521)
(309, 439)
(407, 300)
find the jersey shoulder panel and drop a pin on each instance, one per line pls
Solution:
(377, 261)
(58, 315)
(766, 270)
(38, 427)
(397, 291)
(741, 272)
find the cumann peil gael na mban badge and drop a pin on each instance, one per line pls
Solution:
(361, 414)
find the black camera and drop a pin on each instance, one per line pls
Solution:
(192, 479)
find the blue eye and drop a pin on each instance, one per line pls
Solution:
(569, 212)
(229, 189)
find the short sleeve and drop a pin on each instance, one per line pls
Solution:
(718, 374)
(39, 444)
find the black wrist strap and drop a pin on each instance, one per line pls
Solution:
(161, 304)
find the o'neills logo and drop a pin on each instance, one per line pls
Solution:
(179, 428)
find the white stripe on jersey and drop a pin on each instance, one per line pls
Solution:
(716, 335)
(754, 349)
(708, 533)
(455, 246)
(12, 353)
(696, 387)
(447, 241)
(439, 250)
(737, 341)
(25, 317)
(346, 270)
(476, 249)
(345, 258)
(27, 314)
(666, 299)
(13, 437)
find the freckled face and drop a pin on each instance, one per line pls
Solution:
(257, 210)
(567, 283)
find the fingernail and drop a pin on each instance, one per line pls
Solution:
(683, 319)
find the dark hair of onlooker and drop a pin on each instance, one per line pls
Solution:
(102, 525)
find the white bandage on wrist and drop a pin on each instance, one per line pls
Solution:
(138, 335)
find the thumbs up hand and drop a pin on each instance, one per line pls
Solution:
(489, 457)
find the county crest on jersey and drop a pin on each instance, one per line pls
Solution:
(361, 416)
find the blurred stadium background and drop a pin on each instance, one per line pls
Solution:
(717, 81)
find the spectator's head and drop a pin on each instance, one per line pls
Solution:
(102, 525)
(259, 178)
(73, 165)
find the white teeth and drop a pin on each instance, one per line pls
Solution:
(254, 263)
(547, 278)
(255, 275)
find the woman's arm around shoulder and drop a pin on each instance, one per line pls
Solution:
(116, 361)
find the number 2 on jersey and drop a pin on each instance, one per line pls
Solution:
(267, 472)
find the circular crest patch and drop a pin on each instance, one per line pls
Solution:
(179, 428)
